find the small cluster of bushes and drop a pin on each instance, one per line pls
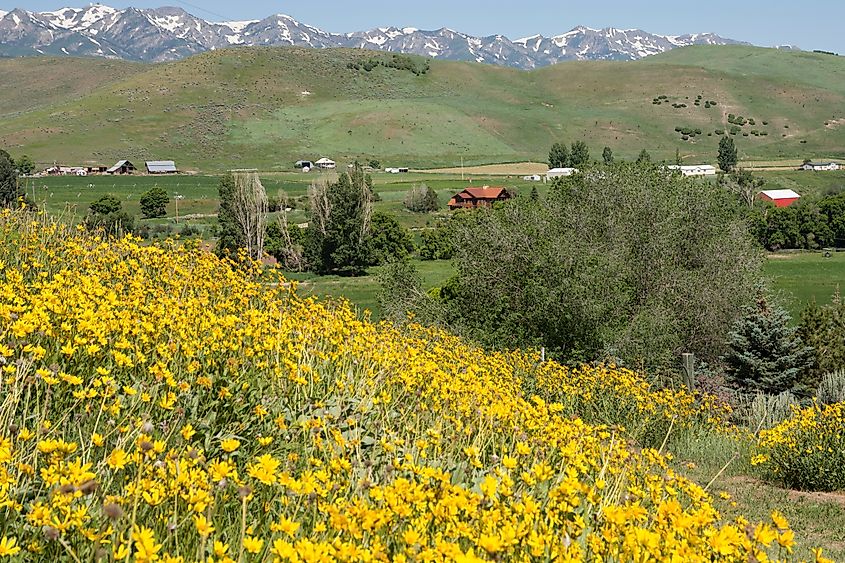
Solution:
(707, 103)
(678, 106)
(687, 132)
(736, 120)
(396, 61)
(659, 100)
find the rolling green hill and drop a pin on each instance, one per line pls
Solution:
(266, 107)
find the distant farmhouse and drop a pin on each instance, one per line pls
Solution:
(74, 170)
(484, 196)
(161, 167)
(326, 163)
(820, 166)
(781, 198)
(694, 169)
(304, 165)
(122, 167)
(558, 172)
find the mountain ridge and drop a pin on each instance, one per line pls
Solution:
(170, 33)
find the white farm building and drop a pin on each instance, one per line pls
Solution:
(694, 169)
(820, 166)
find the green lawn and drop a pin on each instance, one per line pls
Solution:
(800, 277)
(363, 291)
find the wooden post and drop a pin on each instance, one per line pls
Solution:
(688, 361)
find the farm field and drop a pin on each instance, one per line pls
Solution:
(267, 107)
(802, 277)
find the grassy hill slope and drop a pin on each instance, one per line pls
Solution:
(266, 107)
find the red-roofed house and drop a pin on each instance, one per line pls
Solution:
(781, 198)
(484, 196)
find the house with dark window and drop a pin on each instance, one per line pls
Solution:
(484, 196)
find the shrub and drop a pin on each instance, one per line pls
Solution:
(389, 241)
(154, 202)
(832, 388)
(437, 243)
(806, 451)
(767, 411)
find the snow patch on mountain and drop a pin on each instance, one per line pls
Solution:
(170, 33)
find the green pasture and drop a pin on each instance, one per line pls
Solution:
(363, 291)
(801, 277)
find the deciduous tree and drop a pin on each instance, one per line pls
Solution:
(558, 156)
(625, 262)
(243, 214)
(579, 155)
(339, 224)
(154, 202)
(10, 190)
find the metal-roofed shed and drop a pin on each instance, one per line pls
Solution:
(161, 167)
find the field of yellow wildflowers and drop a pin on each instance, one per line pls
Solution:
(161, 405)
(807, 450)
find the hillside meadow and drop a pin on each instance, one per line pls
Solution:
(161, 405)
(267, 107)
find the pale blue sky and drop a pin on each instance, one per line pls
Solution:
(810, 24)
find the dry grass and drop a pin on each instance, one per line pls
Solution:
(512, 169)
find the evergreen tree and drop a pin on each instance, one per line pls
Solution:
(765, 352)
(579, 155)
(607, 156)
(678, 160)
(727, 157)
(558, 156)
(535, 195)
(154, 202)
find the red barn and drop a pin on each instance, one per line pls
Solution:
(478, 197)
(781, 198)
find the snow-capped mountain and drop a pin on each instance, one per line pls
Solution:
(166, 34)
